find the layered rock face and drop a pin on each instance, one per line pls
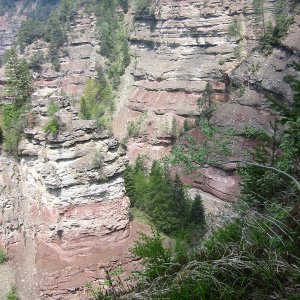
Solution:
(184, 45)
(8, 31)
(78, 58)
(63, 209)
(180, 48)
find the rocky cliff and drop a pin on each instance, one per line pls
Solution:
(177, 50)
(63, 207)
(64, 216)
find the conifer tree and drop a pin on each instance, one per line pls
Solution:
(19, 82)
(180, 203)
(205, 102)
(197, 213)
(129, 177)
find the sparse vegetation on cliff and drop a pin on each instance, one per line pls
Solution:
(50, 27)
(112, 34)
(53, 125)
(271, 33)
(97, 99)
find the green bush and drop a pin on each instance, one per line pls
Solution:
(141, 8)
(235, 28)
(97, 101)
(12, 295)
(36, 60)
(3, 256)
(53, 125)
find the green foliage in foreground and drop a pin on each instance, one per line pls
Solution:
(255, 256)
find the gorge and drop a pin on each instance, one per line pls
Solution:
(64, 214)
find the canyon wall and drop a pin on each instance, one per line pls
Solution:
(177, 50)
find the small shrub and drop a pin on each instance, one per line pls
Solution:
(36, 61)
(53, 125)
(221, 61)
(235, 28)
(254, 68)
(186, 125)
(242, 90)
(12, 295)
(3, 256)
(237, 51)
(133, 129)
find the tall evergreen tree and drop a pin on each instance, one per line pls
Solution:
(129, 177)
(197, 213)
(179, 201)
(19, 81)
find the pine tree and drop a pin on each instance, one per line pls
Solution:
(204, 103)
(197, 213)
(179, 202)
(19, 82)
(129, 177)
(85, 112)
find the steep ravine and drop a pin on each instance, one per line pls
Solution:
(64, 215)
